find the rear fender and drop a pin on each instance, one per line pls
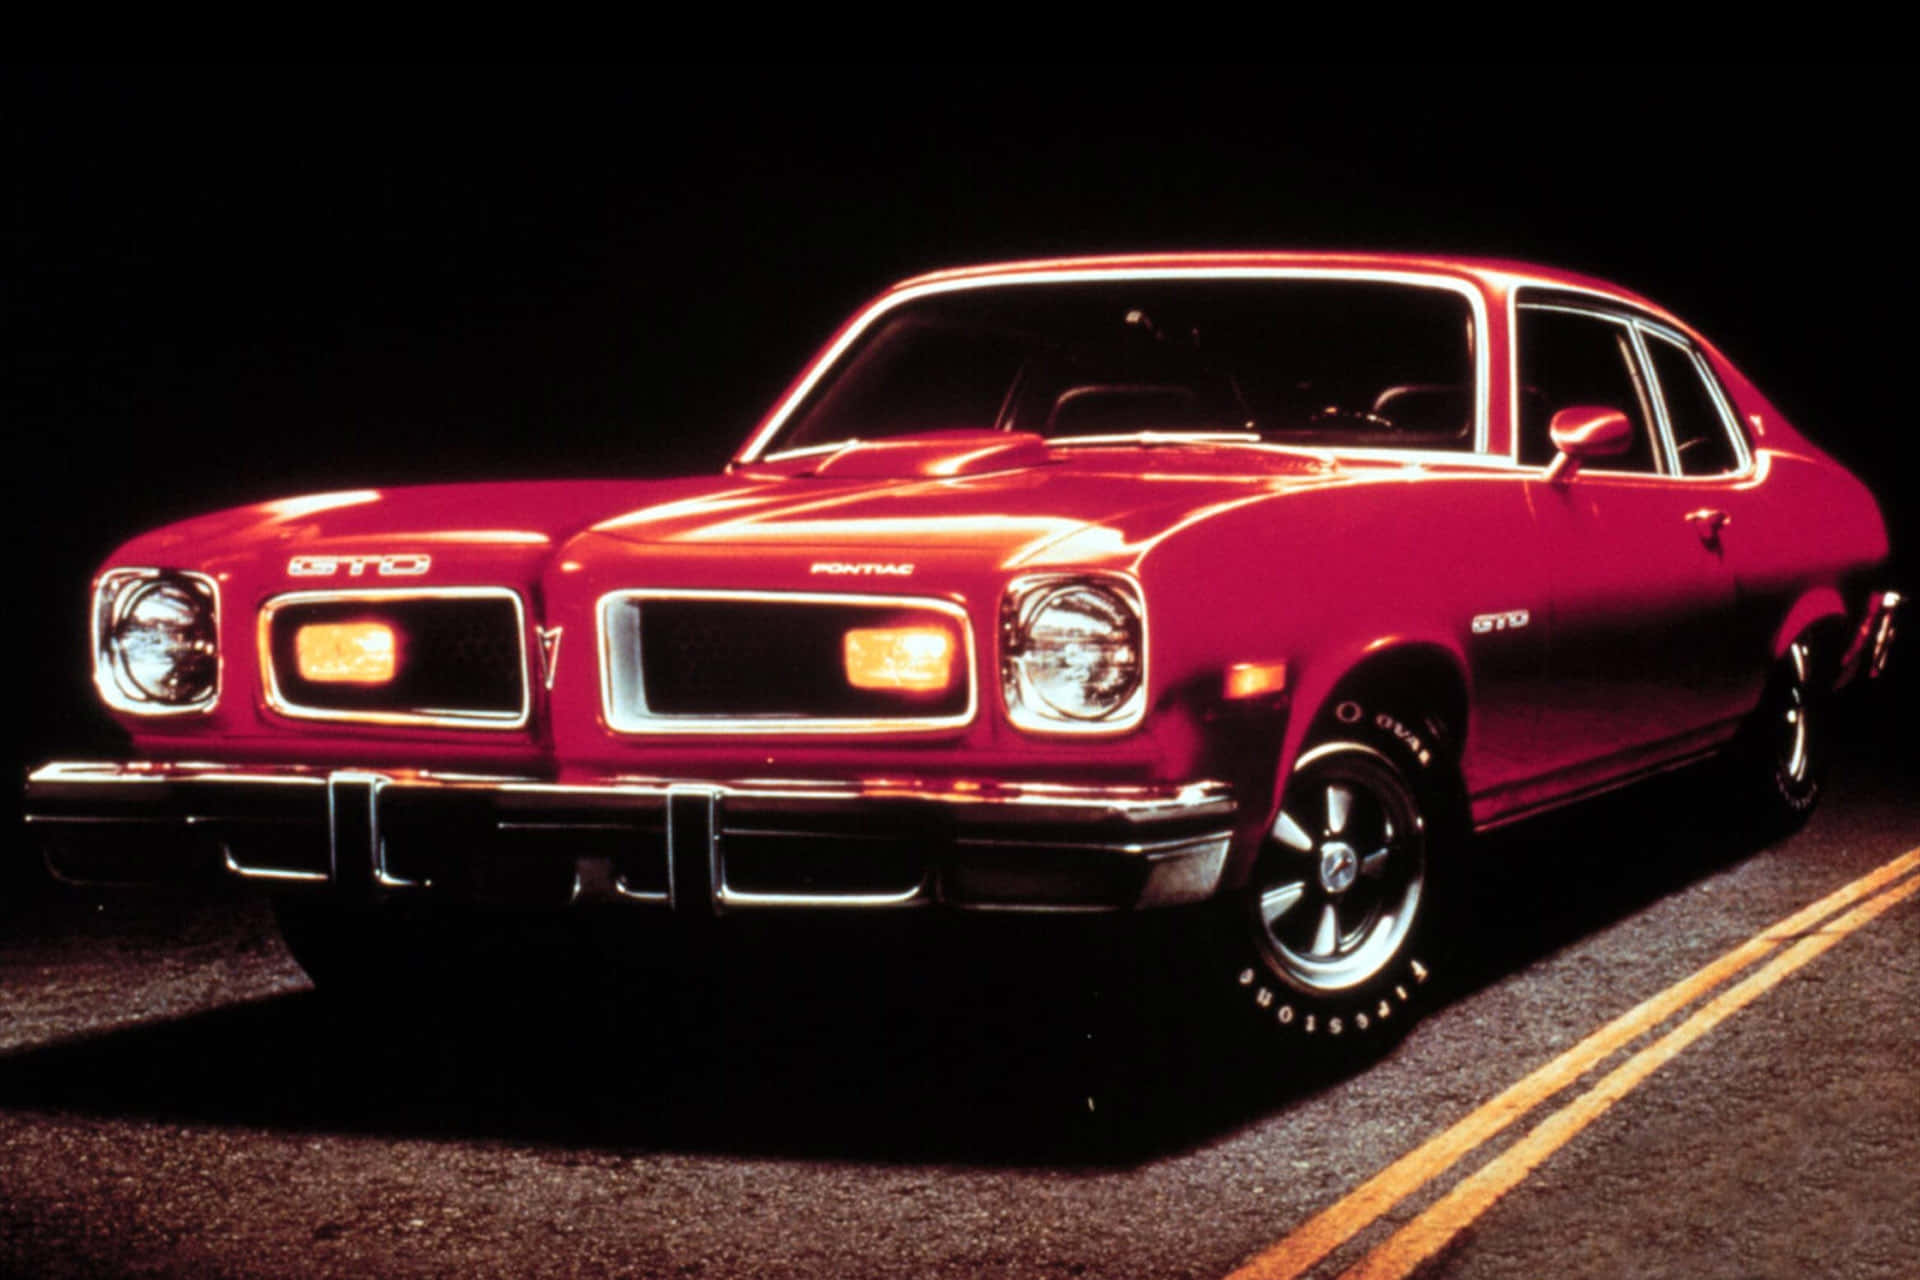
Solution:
(1818, 605)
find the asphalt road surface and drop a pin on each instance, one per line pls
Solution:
(176, 1101)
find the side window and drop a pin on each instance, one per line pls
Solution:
(1699, 428)
(1569, 358)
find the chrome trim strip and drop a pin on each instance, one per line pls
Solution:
(1476, 301)
(168, 772)
(731, 899)
(1883, 633)
(622, 684)
(453, 719)
(1649, 379)
(107, 589)
(1729, 423)
(62, 819)
(987, 801)
(234, 866)
(1152, 851)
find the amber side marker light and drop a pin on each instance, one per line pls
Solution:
(346, 652)
(909, 659)
(1255, 680)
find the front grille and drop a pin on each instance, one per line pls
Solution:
(730, 662)
(461, 657)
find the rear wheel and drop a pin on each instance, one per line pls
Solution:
(1782, 757)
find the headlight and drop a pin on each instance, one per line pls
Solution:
(1073, 654)
(156, 647)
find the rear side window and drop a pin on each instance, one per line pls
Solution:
(1572, 358)
(1693, 413)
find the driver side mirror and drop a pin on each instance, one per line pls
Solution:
(1584, 431)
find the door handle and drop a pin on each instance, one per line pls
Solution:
(1708, 522)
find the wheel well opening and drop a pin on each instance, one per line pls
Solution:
(1828, 638)
(1422, 684)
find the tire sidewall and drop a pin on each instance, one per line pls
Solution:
(1373, 1012)
(1781, 802)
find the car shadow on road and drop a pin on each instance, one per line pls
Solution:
(823, 1045)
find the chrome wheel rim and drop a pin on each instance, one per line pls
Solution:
(1339, 883)
(1793, 757)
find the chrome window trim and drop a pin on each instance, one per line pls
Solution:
(1728, 423)
(108, 684)
(1135, 711)
(1657, 400)
(616, 702)
(1620, 311)
(278, 702)
(1472, 292)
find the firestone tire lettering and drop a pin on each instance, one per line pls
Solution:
(1358, 747)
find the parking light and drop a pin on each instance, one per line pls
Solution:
(346, 652)
(905, 659)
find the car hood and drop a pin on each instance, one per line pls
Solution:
(1085, 503)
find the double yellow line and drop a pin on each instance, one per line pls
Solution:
(1791, 943)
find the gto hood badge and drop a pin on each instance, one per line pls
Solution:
(396, 566)
(549, 653)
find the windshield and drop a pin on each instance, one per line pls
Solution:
(1325, 362)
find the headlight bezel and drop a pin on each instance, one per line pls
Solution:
(116, 594)
(1021, 604)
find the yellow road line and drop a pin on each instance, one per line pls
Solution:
(1364, 1205)
(1429, 1233)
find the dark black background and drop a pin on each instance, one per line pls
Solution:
(223, 285)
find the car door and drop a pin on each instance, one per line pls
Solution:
(1642, 598)
(1727, 508)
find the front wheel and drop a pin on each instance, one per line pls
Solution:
(1337, 892)
(1329, 942)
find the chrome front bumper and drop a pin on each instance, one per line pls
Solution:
(691, 846)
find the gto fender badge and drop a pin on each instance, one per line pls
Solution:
(397, 566)
(1507, 620)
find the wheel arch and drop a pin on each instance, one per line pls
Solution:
(1422, 680)
(1819, 611)
(1412, 677)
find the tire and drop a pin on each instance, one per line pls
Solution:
(1781, 758)
(1330, 941)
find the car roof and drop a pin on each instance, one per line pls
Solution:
(1498, 275)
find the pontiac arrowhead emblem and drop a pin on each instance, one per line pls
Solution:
(549, 653)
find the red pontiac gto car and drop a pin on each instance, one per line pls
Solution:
(1247, 584)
